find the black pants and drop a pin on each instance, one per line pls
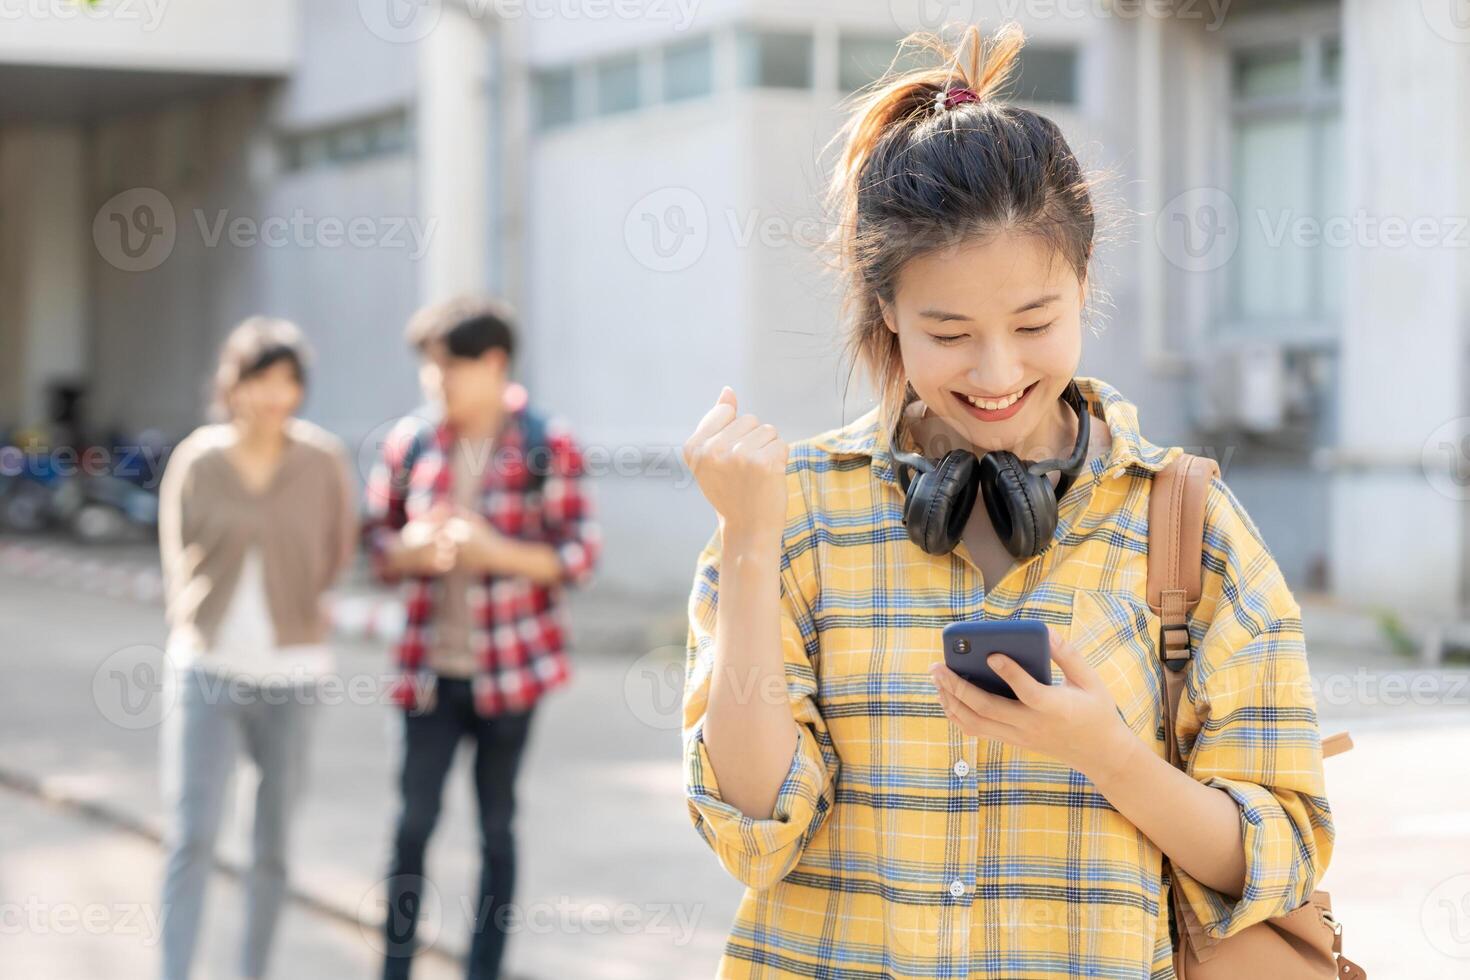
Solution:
(430, 740)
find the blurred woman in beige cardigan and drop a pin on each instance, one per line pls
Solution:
(256, 521)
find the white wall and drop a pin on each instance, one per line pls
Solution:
(211, 36)
(1397, 540)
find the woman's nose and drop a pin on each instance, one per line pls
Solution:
(998, 372)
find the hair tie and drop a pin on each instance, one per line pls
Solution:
(950, 97)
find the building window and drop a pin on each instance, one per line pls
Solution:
(1044, 75)
(689, 71)
(775, 59)
(361, 139)
(861, 61)
(617, 82)
(1286, 277)
(554, 98)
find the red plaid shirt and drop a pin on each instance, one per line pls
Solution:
(518, 629)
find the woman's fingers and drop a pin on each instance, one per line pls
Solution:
(1032, 692)
(722, 443)
(978, 700)
(757, 438)
(965, 718)
(719, 416)
(1073, 664)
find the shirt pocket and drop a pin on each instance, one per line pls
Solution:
(1118, 634)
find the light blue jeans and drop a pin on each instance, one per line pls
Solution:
(210, 720)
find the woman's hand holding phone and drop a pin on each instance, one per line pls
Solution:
(1077, 723)
(740, 466)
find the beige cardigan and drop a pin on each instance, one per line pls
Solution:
(304, 523)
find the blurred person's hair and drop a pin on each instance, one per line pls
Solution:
(254, 346)
(466, 326)
(914, 177)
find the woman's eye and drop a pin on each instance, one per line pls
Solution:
(953, 339)
(1036, 330)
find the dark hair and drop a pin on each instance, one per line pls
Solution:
(256, 343)
(922, 169)
(467, 326)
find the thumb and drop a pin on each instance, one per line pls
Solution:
(1073, 664)
(727, 397)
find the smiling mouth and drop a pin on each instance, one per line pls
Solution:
(994, 409)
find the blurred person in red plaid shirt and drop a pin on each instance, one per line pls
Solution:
(480, 508)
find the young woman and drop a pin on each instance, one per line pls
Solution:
(256, 520)
(888, 818)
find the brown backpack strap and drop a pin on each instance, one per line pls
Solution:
(1333, 744)
(1176, 540)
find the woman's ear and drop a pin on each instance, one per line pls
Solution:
(889, 318)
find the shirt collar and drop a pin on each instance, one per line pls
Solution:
(864, 436)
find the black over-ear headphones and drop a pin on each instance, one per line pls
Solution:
(1020, 499)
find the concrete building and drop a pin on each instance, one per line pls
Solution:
(643, 177)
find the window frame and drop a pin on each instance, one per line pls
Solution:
(1314, 104)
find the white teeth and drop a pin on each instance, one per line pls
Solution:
(993, 405)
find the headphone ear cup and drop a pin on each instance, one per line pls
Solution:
(1022, 506)
(939, 503)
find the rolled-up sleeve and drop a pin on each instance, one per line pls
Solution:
(1248, 724)
(760, 852)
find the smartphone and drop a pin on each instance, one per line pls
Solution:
(967, 645)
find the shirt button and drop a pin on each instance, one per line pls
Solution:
(956, 888)
(961, 768)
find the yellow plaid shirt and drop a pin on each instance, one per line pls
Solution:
(901, 847)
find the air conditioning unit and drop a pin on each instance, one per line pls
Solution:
(1245, 385)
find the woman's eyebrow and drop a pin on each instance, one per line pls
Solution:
(943, 315)
(1037, 303)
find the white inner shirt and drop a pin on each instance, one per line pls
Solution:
(245, 643)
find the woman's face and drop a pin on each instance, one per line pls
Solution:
(997, 321)
(268, 398)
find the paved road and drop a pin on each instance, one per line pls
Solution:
(615, 884)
